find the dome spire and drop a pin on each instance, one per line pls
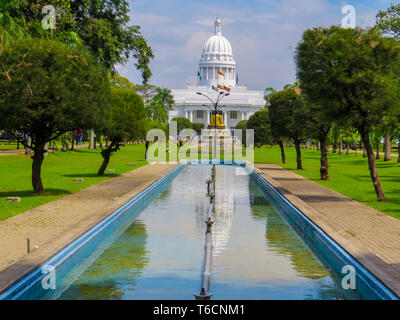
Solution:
(218, 27)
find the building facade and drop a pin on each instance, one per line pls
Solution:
(217, 57)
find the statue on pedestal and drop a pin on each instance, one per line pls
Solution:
(219, 121)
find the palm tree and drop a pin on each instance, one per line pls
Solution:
(268, 92)
(165, 96)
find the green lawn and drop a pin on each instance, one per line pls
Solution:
(58, 172)
(10, 146)
(349, 175)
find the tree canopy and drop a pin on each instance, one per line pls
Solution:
(259, 122)
(288, 117)
(103, 26)
(352, 75)
(389, 21)
(48, 88)
(124, 121)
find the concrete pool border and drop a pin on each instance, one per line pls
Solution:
(320, 240)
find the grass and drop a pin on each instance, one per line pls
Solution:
(58, 172)
(10, 146)
(349, 175)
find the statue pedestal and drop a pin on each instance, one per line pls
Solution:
(211, 132)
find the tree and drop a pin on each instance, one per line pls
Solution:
(124, 121)
(259, 122)
(242, 125)
(146, 91)
(149, 124)
(9, 27)
(318, 127)
(268, 92)
(101, 25)
(288, 116)
(353, 71)
(198, 126)
(48, 89)
(181, 124)
(156, 110)
(389, 21)
(166, 97)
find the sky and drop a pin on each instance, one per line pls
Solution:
(263, 35)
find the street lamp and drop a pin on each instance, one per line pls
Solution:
(221, 94)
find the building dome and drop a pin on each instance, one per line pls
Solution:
(217, 56)
(217, 48)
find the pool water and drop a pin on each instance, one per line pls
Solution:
(158, 255)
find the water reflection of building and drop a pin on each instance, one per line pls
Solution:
(224, 209)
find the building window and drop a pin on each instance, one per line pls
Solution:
(199, 114)
(233, 114)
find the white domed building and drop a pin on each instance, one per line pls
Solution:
(217, 58)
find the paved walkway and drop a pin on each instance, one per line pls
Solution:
(370, 236)
(54, 225)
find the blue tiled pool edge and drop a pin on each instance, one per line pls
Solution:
(325, 245)
(29, 287)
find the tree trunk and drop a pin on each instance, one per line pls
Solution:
(377, 150)
(324, 159)
(364, 153)
(341, 146)
(282, 151)
(388, 151)
(106, 159)
(364, 132)
(398, 151)
(298, 154)
(73, 141)
(147, 148)
(38, 158)
(347, 149)
(334, 148)
(28, 150)
(91, 140)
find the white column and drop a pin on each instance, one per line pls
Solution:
(225, 113)
(208, 117)
(191, 115)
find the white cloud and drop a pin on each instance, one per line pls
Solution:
(263, 34)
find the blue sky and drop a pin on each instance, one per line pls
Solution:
(263, 35)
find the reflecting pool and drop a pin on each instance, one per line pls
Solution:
(158, 255)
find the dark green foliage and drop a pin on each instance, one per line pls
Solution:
(288, 116)
(182, 123)
(158, 106)
(351, 74)
(47, 89)
(242, 125)
(197, 127)
(389, 20)
(259, 122)
(101, 25)
(124, 121)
